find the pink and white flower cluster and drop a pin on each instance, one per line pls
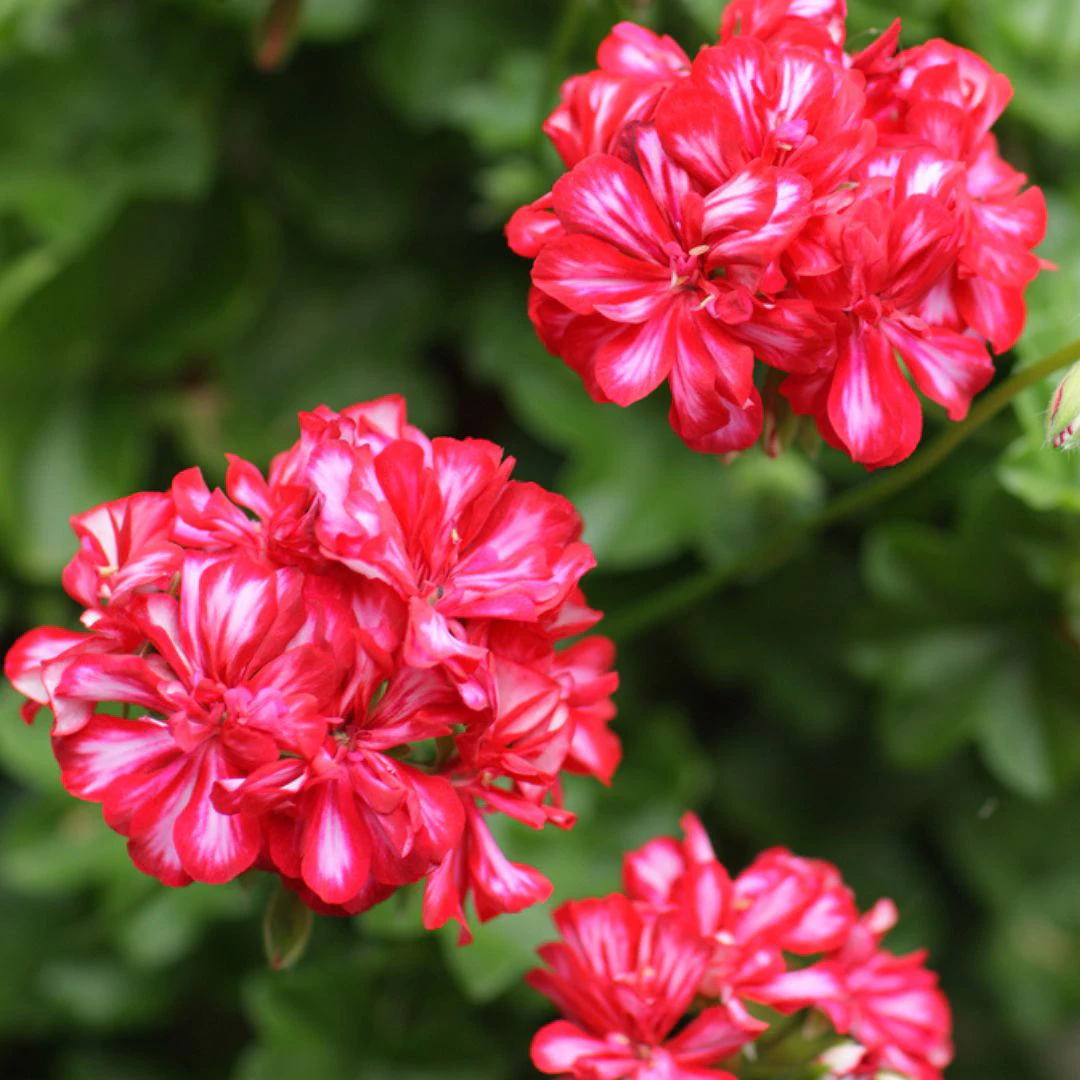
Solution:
(654, 982)
(337, 672)
(779, 198)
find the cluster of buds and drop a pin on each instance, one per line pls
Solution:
(780, 199)
(335, 673)
(689, 973)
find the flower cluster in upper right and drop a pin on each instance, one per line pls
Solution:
(844, 218)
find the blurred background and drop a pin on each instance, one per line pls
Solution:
(201, 234)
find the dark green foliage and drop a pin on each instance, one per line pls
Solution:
(191, 250)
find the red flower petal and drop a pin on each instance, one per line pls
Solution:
(948, 367)
(212, 846)
(871, 406)
(336, 847)
(589, 275)
(607, 199)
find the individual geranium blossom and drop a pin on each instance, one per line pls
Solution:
(630, 288)
(124, 547)
(665, 276)
(346, 810)
(636, 68)
(624, 978)
(820, 24)
(949, 98)
(338, 671)
(445, 528)
(890, 247)
(234, 682)
(747, 101)
(890, 1005)
(689, 950)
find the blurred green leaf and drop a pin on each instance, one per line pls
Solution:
(169, 923)
(966, 644)
(117, 114)
(56, 848)
(26, 752)
(360, 1013)
(320, 20)
(287, 924)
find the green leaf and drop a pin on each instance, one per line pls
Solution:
(320, 20)
(938, 691)
(118, 114)
(362, 1012)
(1011, 738)
(51, 849)
(965, 645)
(26, 752)
(62, 468)
(287, 925)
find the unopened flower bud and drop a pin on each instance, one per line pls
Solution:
(1063, 419)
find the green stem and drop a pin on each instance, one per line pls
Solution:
(659, 607)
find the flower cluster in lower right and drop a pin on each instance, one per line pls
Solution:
(690, 973)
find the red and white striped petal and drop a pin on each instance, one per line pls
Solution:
(699, 131)
(739, 74)
(231, 612)
(714, 1034)
(997, 312)
(670, 185)
(790, 335)
(743, 203)
(635, 360)
(870, 405)
(337, 847)
(248, 487)
(776, 205)
(109, 747)
(158, 617)
(738, 427)
(604, 197)
(799, 989)
(214, 847)
(590, 276)
(114, 677)
(434, 640)
(948, 367)
(712, 373)
(36, 648)
(533, 226)
(561, 1048)
(523, 562)
(498, 885)
(444, 894)
(635, 50)
(923, 240)
(159, 799)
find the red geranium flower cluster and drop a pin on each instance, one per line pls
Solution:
(684, 938)
(780, 198)
(335, 673)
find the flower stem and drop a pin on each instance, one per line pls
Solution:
(660, 606)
